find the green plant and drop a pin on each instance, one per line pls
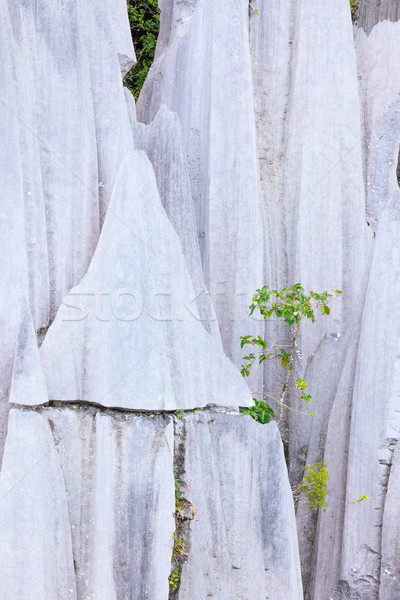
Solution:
(144, 19)
(255, 10)
(179, 413)
(261, 411)
(360, 499)
(179, 546)
(354, 6)
(174, 579)
(314, 485)
(184, 511)
(293, 305)
(182, 506)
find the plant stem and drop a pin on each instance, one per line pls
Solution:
(285, 385)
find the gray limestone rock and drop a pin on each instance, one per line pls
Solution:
(242, 539)
(129, 334)
(58, 98)
(163, 143)
(370, 12)
(379, 53)
(87, 503)
(390, 549)
(36, 546)
(374, 423)
(202, 71)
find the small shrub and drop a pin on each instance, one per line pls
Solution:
(292, 305)
(314, 485)
(144, 19)
(354, 7)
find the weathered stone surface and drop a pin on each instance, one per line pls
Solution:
(27, 373)
(370, 12)
(242, 539)
(73, 170)
(375, 377)
(163, 143)
(202, 71)
(149, 322)
(324, 545)
(129, 334)
(87, 503)
(36, 546)
(309, 143)
(379, 53)
(390, 549)
(59, 84)
(357, 529)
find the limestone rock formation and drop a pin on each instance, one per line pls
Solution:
(88, 498)
(250, 506)
(87, 503)
(371, 12)
(264, 150)
(163, 143)
(202, 71)
(327, 128)
(102, 308)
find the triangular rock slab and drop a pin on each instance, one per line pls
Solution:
(129, 335)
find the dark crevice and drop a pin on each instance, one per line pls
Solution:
(144, 20)
(41, 333)
(82, 404)
(184, 513)
(398, 169)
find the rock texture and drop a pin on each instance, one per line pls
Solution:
(133, 314)
(202, 71)
(134, 311)
(371, 12)
(88, 497)
(264, 151)
(163, 143)
(105, 305)
(87, 503)
(327, 146)
(242, 500)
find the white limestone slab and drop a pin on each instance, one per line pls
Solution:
(27, 373)
(375, 422)
(202, 71)
(243, 541)
(87, 502)
(36, 548)
(378, 56)
(129, 335)
(163, 143)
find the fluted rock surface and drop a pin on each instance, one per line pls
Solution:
(102, 308)
(88, 498)
(202, 71)
(87, 503)
(243, 501)
(371, 12)
(327, 133)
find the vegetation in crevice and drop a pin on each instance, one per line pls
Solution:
(144, 19)
(292, 305)
(354, 4)
(184, 514)
(315, 486)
